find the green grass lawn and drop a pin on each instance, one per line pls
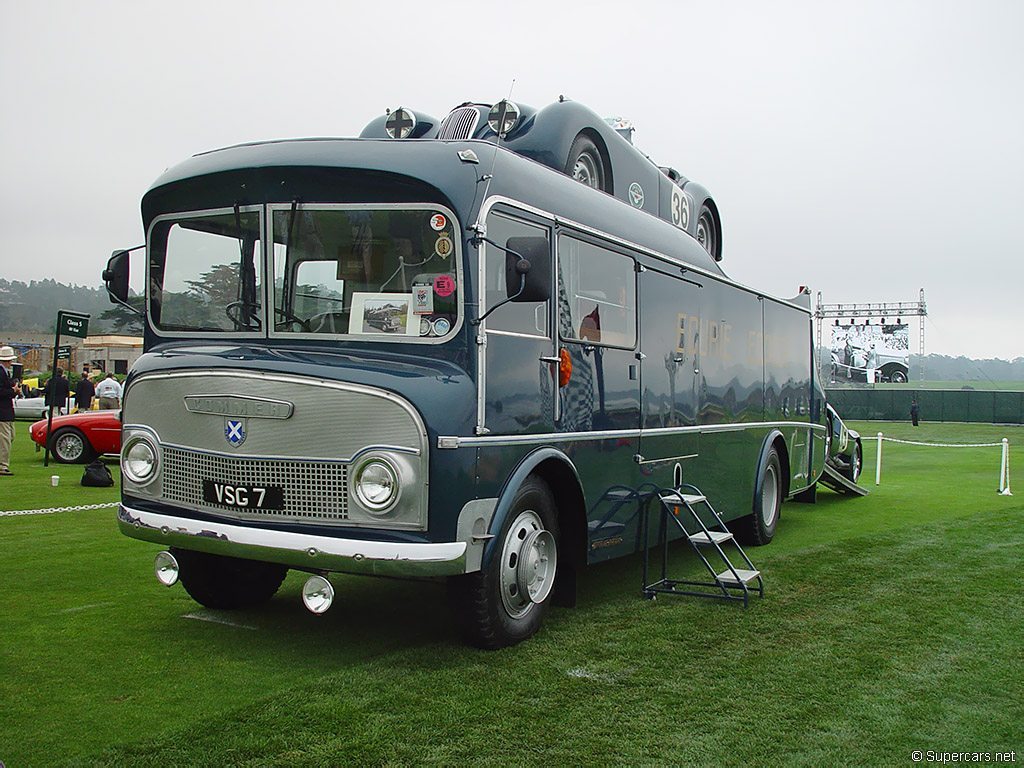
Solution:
(890, 623)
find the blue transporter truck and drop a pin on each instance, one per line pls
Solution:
(430, 352)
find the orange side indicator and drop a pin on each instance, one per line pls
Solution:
(564, 367)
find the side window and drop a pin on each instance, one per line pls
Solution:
(596, 293)
(529, 317)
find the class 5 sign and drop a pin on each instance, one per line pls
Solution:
(72, 324)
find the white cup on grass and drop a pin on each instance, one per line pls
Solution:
(54, 480)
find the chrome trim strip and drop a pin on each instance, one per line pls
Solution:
(668, 459)
(517, 335)
(296, 550)
(493, 200)
(457, 233)
(453, 441)
(262, 261)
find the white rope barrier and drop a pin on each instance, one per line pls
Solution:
(1004, 462)
(53, 510)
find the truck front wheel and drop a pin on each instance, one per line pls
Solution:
(216, 581)
(506, 602)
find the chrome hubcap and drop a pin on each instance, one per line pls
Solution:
(528, 561)
(585, 170)
(769, 496)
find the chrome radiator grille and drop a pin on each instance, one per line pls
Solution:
(459, 125)
(314, 491)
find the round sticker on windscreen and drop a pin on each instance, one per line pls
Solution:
(444, 286)
(437, 222)
(443, 246)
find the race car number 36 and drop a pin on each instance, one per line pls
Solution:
(680, 208)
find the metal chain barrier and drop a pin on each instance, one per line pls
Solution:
(53, 510)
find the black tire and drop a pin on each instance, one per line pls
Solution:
(767, 507)
(488, 618)
(70, 446)
(853, 469)
(708, 235)
(586, 165)
(899, 376)
(216, 581)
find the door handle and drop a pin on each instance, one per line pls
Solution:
(550, 359)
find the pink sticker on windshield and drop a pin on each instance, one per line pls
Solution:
(444, 286)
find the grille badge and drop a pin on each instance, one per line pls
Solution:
(234, 431)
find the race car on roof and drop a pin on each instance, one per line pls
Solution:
(572, 139)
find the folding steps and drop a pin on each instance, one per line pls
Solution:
(686, 504)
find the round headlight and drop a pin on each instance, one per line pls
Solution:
(138, 461)
(377, 485)
(503, 117)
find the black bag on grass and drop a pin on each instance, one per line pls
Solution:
(97, 475)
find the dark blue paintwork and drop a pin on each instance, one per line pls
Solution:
(752, 353)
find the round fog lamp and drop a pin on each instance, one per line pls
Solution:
(166, 567)
(377, 485)
(139, 461)
(317, 594)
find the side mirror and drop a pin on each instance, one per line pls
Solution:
(531, 259)
(115, 276)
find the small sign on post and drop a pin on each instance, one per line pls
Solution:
(68, 324)
(72, 324)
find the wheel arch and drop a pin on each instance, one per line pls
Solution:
(558, 472)
(776, 440)
(602, 147)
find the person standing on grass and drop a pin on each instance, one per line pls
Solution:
(57, 391)
(9, 390)
(915, 412)
(84, 391)
(109, 393)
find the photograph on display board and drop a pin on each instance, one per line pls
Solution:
(871, 353)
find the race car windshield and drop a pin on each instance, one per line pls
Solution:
(371, 273)
(205, 272)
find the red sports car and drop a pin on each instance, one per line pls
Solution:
(80, 437)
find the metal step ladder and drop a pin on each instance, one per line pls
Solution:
(681, 505)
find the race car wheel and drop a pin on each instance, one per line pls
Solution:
(216, 581)
(506, 602)
(69, 446)
(586, 165)
(707, 232)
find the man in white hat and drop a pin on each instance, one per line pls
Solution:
(8, 391)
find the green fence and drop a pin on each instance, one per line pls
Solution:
(934, 404)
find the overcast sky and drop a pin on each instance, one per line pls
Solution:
(865, 149)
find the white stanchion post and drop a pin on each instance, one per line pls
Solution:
(878, 461)
(1004, 470)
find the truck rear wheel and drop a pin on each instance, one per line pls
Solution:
(216, 581)
(767, 501)
(506, 602)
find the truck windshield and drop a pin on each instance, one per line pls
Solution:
(205, 272)
(365, 272)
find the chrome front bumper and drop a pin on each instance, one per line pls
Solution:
(296, 550)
